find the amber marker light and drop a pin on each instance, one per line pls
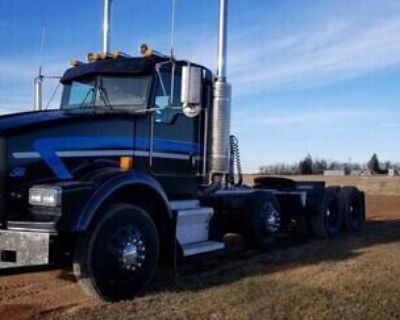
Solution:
(75, 63)
(117, 55)
(91, 57)
(145, 50)
(126, 163)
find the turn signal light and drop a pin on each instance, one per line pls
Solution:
(126, 163)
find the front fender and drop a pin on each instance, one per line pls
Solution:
(111, 185)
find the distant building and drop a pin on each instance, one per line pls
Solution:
(366, 173)
(356, 172)
(335, 173)
(392, 172)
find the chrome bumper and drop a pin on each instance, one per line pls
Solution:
(23, 249)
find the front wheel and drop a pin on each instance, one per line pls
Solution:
(117, 256)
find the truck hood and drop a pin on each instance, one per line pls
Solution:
(19, 122)
(14, 121)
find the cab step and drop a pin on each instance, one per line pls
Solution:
(193, 225)
(192, 228)
(184, 204)
(192, 249)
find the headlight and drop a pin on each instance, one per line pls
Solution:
(45, 196)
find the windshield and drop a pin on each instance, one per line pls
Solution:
(107, 91)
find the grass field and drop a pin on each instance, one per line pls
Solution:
(350, 277)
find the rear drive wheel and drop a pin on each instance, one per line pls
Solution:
(328, 221)
(117, 257)
(263, 221)
(352, 204)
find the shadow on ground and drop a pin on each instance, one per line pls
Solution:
(230, 267)
(212, 271)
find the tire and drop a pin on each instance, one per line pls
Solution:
(262, 221)
(353, 208)
(327, 222)
(117, 256)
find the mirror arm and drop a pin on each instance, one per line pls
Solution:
(161, 81)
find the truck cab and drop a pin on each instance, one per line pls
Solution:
(161, 139)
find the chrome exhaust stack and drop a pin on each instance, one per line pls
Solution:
(107, 26)
(37, 93)
(221, 113)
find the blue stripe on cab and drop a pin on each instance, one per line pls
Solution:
(47, 148)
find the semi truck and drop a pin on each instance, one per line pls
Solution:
(136, 170)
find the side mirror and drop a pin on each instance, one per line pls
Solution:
(191, 90)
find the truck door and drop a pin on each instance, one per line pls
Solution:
(175, 149)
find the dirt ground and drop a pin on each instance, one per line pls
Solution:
(351, 277)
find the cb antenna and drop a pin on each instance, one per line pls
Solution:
(42, 48)
(173, 14)
(38, 81)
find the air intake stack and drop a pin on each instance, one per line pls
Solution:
(107, 26)
(222, 100)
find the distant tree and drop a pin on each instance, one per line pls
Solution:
(387, 165)
(319, 166)
(306, 165)
(373, 164)
(334, 165)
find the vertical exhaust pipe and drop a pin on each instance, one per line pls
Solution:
(221, 112)
(222, 39)
(107, 26)
(37, 92)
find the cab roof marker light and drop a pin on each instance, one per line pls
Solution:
(120, 54)
(76, 63)
(105, 56)
(148, 52)
(92, 57)
(145, 50)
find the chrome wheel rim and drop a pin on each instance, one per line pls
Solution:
(271, 218)
(129, 249)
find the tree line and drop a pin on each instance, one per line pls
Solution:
(309, 165)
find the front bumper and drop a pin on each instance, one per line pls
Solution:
(23, 249)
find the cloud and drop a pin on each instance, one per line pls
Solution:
(318, 117)
(308, 60)
(6, 109)
(389, 125)
(21, 69)
(364, 40)
(16, 84)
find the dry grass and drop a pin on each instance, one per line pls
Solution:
(346, 278)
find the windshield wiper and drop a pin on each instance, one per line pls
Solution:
(104, 97)
(84, 103)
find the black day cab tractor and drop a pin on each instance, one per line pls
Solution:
(136, 170)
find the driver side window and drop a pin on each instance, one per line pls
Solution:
(164, 113)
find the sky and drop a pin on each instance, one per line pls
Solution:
(317, 77)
